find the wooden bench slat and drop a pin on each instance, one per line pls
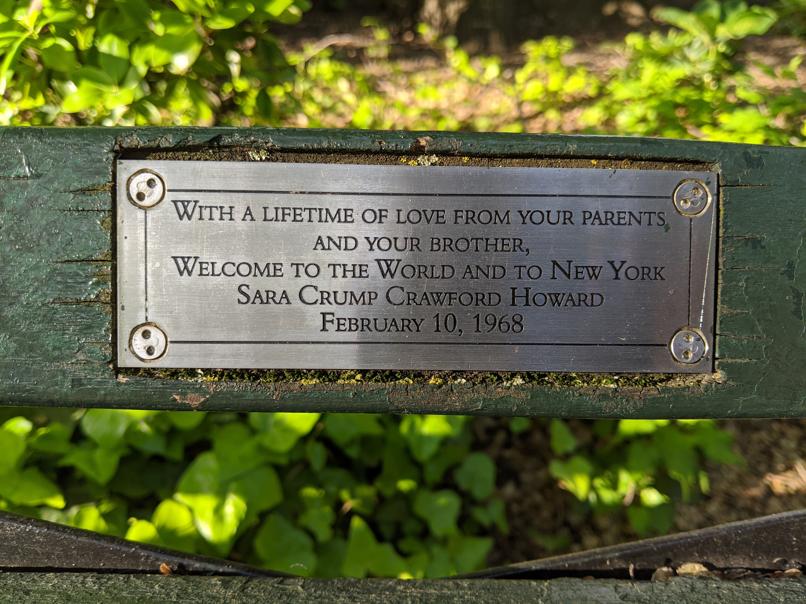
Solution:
(57, 264)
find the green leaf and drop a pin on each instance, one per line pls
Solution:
(387, 562)
(142, 531)
(316, 453)
(361, 544)
(642, 458)
(193, 6)
(31, 488)
(284, 11)
(562, 439)
(441, 564)
(146, 438)
(89, 518)
(260, 488)
(519, 424)
(285, 548)
(677, 452)
(217, 518)
(424, 433)
(361, 498)
(113, 55)
(469, 553)
(343, 428)
(177, 51)
(717, 445)
(398, 472)
(633, 427)
(450, 454)
(651, 497)
(688, 22)
(365, 556)
(494, 513)
(230, 16)
(53, 438)
(574, 475)
(318, 516)
(651, 521)
(237, 450)
(218, 512)
(329, 559)
(186, 420)
(476, 475)
(279, 432)
(97, 463)
(440, 510)
(743, 22)
(105, 426)
(12, 448)
(90, 94)
(21, 426)
(201, 476)
(174, 525)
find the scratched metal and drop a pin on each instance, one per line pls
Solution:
(471, 308)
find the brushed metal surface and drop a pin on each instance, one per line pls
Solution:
(621, 270)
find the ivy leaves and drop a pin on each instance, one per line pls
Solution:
(644, 465)
(304, 493)
(137, 61)
(22, 485)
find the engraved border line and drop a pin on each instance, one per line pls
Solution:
(320, 342)
(409, 194)
(392, 194)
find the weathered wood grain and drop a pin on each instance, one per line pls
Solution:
(56, 263)
(95, 587)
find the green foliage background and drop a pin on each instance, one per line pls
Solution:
(356, 495)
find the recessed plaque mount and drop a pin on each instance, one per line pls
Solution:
(301, 265)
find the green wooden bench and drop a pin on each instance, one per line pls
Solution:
(57, 320)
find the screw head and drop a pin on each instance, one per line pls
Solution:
(145, 189)
(148, 342)
(688, 345)
(691, 197)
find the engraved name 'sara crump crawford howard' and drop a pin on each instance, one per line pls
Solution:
(225, 264)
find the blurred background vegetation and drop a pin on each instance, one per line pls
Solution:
(414, 496)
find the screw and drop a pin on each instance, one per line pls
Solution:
(145, 189)
(688, 345)
(691, 197)
(148, 342)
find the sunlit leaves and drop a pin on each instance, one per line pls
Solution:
(574, 475)
(105, 426)
(686, 83)
(29, 487)
(279, 432)
(53, 52)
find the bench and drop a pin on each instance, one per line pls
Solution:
(59, 340)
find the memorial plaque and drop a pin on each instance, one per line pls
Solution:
(337, 266)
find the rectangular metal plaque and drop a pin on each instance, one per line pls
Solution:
(329, 266)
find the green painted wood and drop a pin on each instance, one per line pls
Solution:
(95, 587)
(56, 266)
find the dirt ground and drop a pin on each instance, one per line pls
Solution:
(597, 43)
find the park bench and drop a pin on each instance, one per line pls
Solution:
(72, 282)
